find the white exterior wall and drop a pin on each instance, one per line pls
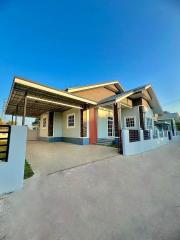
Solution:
(58, 124)
(102, 122)
(130, 112)
(43, 132)
(75, 131)
(12, 172)
(134, 112)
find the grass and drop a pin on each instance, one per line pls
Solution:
(28, 172)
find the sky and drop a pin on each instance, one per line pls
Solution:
(71, 43)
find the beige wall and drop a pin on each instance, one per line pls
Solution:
(145, 103)
(75, 131)
(95, 94)
(43, 131)
(60, 128)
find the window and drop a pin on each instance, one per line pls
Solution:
(110, 126)
(71, 121)
(130, 122)
(44, 122)
(149, 123)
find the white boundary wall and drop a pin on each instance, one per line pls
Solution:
(133, 148)
(177, 137)
(12, 172)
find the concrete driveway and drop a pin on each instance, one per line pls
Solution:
(47, 158)
(121, 198)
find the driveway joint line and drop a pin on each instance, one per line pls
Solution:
(81, 165)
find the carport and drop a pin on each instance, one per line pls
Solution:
(30, 99)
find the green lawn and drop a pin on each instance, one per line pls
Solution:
(28, 172)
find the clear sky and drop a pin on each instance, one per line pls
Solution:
(68, 43)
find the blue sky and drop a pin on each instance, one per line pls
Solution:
(68, 43)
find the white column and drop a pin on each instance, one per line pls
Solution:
(141, 135)
(151, 134)
(125, 141)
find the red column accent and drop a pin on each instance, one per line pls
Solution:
(93, 125)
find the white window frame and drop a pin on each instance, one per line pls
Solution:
(112, 127)
(68, 115)
(147, 123)
(134, 122)
(44, 118)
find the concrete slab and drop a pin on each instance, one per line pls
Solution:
(126, 198)
(47, 157)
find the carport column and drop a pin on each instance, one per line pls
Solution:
(16, 115)
(25, 106)
(12, 119)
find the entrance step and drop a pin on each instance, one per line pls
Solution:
(105, 141)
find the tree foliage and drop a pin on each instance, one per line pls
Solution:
(178, 126)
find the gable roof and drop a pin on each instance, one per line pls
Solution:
(92, 86)
(154, 102)
(123, 95)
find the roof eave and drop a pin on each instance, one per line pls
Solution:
(77, 89)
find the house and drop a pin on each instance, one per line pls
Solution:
(90, 114)
(167, 121)
(36, 124)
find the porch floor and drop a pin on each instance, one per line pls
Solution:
(47, 158)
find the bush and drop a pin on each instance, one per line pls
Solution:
(28, 172)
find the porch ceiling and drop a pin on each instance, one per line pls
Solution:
(40, 99)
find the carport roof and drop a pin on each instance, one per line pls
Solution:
(40, 99)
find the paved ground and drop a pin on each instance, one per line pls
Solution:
(50, 157)
(121, 198)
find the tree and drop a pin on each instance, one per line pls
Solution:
(11, 122)
(178, 126)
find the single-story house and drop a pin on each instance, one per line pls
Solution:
(167, 120)
(84, 115)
